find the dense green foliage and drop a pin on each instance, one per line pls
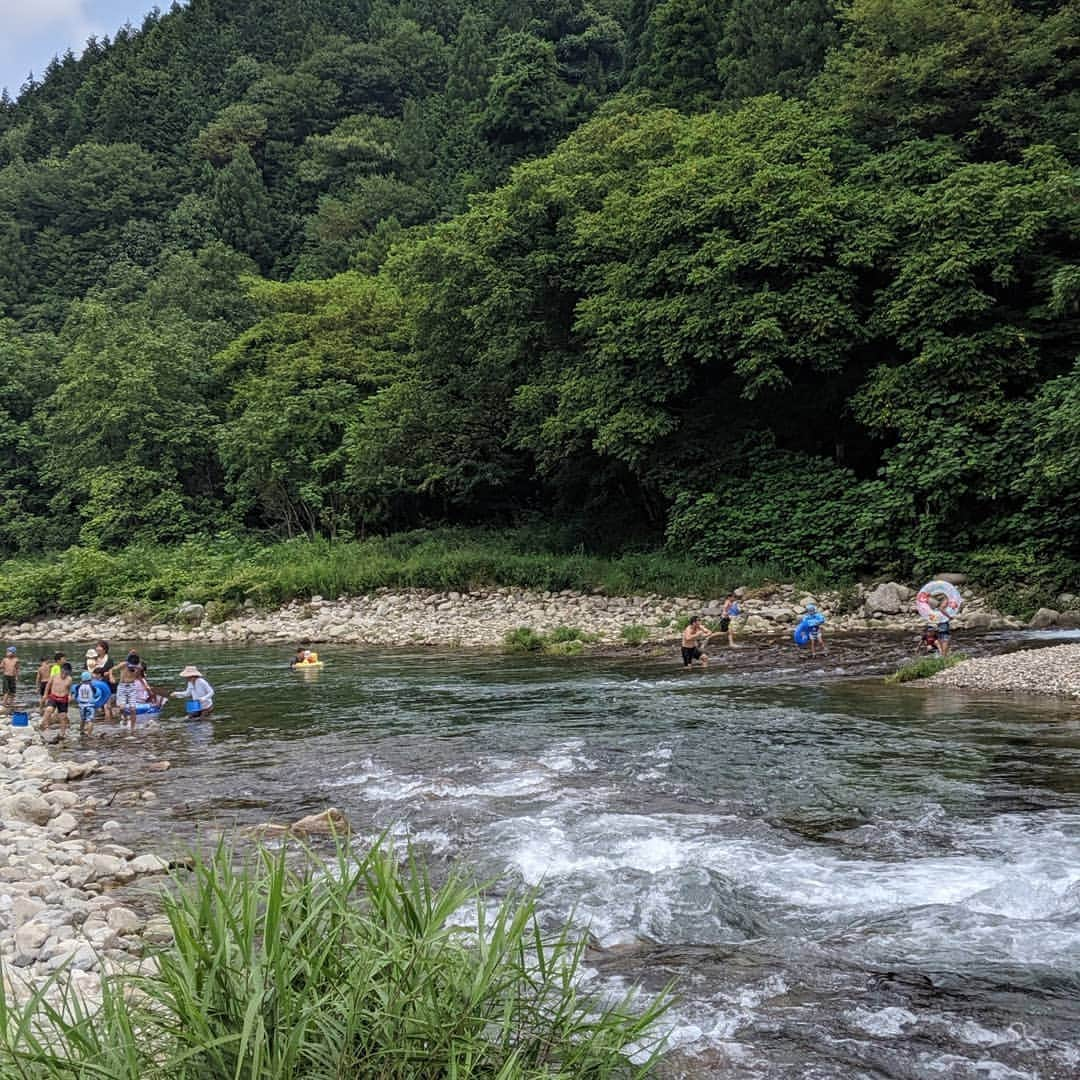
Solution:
(366, 972)
(789, 283)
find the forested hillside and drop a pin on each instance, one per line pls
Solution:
(787, 281)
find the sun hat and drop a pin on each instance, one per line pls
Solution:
(811, 607)
(86, 676)
(11, 648)
(191, 672)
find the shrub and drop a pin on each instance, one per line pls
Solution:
(634, 634)
(365, 972)
(524, 639)
(565, 648)
(789, 510)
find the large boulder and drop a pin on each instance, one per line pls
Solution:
(952, 579)
(889, 598)
(191, 613)
(1044, 618)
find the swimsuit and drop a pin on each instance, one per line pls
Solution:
(60, 704)
(127, 694)
(688, 655)
(9, 684)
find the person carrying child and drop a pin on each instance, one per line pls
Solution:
(9, 666)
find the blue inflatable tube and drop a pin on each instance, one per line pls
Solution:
(147, 708)
(801, 633)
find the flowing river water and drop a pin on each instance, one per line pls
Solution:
(843, 879)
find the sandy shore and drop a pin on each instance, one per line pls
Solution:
(1051, 670)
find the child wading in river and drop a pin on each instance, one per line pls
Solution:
(10, 668)
(85, 699)
(57, 697)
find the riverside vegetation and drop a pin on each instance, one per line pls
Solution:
(366, 971)
(790, 285)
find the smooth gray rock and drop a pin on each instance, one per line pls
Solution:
(1043, 618)
(885, 599)
(952, 579)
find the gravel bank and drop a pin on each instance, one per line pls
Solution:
(60, 916)
(482, 618)
(1053, 670)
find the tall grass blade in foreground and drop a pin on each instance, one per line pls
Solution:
(279, 973)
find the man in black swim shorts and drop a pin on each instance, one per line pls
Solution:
(692, 637)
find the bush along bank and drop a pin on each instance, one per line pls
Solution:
(488, 618)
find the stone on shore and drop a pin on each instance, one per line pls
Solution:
(1044, 618)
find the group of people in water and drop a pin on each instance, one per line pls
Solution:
(111, 691)
(935, 639)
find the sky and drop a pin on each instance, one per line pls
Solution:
(32, 32)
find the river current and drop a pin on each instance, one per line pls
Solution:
(843, 879)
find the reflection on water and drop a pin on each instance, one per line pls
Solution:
(846, 880)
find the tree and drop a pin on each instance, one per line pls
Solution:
(298, 378)
(240, 207)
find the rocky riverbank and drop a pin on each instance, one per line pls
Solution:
(1052, 670)
(59, 905)
(483, 617)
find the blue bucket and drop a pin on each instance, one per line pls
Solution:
(192, 706)
(20, 719)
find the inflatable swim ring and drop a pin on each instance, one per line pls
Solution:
(928, 598)
(801, 634)
(147, 708)
(309, 664)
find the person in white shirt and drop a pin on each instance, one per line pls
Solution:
(197, 689)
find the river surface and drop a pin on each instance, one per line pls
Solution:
(844, 879)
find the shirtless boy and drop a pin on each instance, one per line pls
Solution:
(129, 680)
(9, 666)
(693, 636)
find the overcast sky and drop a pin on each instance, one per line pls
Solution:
(32, 32)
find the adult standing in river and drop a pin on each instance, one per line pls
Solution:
(694, 636)
(197, 690)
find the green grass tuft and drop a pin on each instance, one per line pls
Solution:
(635, 634)
(524, 639)
(924, 668)
(366, 972)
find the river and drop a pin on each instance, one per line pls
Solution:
(844, 879)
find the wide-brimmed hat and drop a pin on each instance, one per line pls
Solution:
(191, 672)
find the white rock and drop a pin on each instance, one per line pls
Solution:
(63, 824)
(149, 864)
(123, 920)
